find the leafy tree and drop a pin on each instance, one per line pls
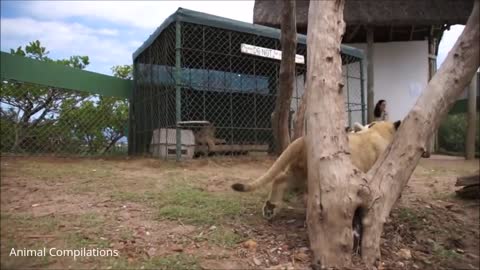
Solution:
(97, 124)
(124, 72)
(40, 118)
(451, 133)
(27, 107)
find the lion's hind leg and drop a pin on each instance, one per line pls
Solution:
(274, 203)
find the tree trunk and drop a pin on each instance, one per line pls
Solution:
(287, 77)
(336, 190)
(332, 200)
(298, 130)
(392, 171)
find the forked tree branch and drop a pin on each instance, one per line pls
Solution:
(392, 171)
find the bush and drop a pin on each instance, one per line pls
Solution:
(451, 134)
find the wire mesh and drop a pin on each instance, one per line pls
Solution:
(44, 120)
(218, 83)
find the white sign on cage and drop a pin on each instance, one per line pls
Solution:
(268, 53)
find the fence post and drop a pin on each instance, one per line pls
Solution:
(178, 89)
(432, 69)
(349, 111)
(471, 119)
(362, 91)
(131, 117)
(370, 75)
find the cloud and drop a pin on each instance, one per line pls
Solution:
(110, 31)
(107, 31)
(104, 46)
(141, 14)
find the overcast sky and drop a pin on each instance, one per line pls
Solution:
(109, 31)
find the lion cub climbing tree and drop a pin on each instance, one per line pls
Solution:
(337, 191)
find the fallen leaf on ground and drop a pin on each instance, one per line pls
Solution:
(250, 244)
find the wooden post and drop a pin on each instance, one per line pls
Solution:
(432, 68)
(288, 41)
(471, 119)
(370, 76)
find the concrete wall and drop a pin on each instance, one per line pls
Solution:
(401, 74)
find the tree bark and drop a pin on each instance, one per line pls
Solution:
(392, 171)
(287, 77)
(298, 130)
(332, 200)
(471, 119)
(337, 191)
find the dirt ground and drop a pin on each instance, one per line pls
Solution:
(162, 215)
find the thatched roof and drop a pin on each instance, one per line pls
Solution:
(393, 20)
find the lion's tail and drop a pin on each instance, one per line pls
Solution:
(291, 152)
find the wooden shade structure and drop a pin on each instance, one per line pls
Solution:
(372, 21)
(391, 20)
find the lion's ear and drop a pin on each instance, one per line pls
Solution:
(397, 124)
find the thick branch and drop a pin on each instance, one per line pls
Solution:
(40, 118)
(113, 141)
(287, 77)
(393, 169)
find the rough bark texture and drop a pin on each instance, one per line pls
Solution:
(288, 41)
(471, 119)
(336, 190)
(332, 200)
(392, 171)
(299, 127)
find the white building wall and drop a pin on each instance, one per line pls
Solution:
(400, 74)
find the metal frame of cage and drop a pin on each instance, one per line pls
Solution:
(192, 69)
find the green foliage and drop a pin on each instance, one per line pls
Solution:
(28, 110)
(195, 206)
(451, 133)
(38, 118)
(95, 125)
(123, 72)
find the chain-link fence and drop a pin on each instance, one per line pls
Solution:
(37, 119)
(193, 70)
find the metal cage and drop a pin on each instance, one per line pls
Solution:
(193, 68)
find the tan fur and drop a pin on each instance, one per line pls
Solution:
(357, 127)
(206, 136)
(290, 169)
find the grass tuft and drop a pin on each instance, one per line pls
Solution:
(199, 207)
